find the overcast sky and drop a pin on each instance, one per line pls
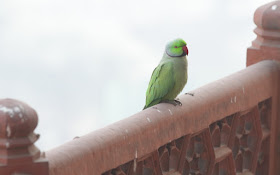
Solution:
(85, 64)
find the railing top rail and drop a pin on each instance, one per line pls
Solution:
(147, 130)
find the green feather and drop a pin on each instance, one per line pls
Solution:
(162, 81)
(170, 76)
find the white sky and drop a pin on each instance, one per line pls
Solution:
(85, 64)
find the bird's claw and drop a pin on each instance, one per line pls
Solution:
(174, 102)
(177, 102)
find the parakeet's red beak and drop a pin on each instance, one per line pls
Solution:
(185, 49)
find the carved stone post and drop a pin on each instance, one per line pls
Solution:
(267, 47)
(267, 44)
(18, 154)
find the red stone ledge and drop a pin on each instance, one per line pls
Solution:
(144, 132)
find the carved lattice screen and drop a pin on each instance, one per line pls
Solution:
(237, 144)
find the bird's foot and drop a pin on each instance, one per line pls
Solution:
(174, 102)
(178, 102)
(188, 93)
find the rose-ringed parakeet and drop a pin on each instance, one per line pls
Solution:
(170, 76)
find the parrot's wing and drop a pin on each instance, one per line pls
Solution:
(162, 81)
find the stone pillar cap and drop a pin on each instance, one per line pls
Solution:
(268, 16)
(17, 119)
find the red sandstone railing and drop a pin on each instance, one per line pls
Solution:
(230, 126)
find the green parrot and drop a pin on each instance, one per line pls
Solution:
(170, 76)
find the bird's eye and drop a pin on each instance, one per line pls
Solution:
(175, 47)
